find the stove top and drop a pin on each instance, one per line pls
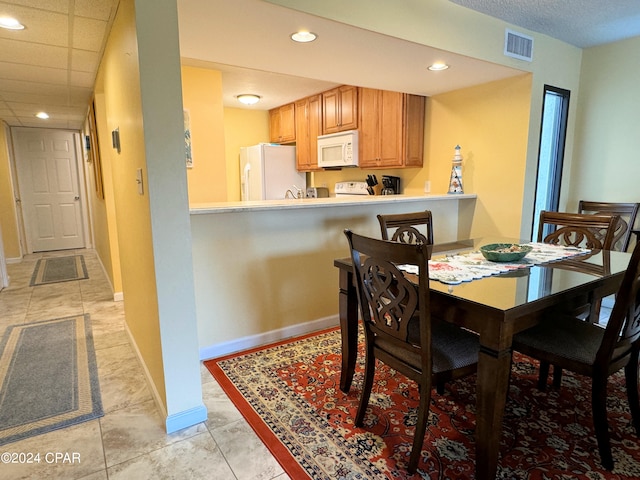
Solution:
(351, 188)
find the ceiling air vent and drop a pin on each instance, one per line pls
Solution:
(518, 45)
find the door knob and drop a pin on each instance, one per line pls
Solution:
(76, 198)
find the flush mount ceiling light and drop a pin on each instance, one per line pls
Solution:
(10, 23)
(42, 115)
(438, 66)
(303, 36)
(248, 98)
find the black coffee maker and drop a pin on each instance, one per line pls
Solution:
(390, 185)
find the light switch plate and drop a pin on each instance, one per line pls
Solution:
(115, 139)
(139, 181)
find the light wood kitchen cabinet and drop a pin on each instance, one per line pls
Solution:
(308, 127)
(414, 112)
(282, 124)
(391, 126)
(340, 109)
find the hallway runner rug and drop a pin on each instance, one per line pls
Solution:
(59, 269)
(289, 393)
(48, 377)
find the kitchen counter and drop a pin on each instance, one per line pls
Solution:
(263, 270)
(256, 205)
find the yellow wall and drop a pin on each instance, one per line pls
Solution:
(99, 222)
(607, 165)
(242, 128)
(450, 27)
(202, 97)
(119, 77)
(104, 216)
(10, 237)
(490, 123)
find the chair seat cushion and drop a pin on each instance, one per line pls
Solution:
(563, 337)
(452, 346)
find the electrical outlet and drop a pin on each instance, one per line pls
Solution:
(427, 186)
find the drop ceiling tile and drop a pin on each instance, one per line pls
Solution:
(88, 34)
(32, 54)
(31, 122)
(79, 96)
(11, 120)
(30, 73)
(27, 109)
(35, 122)
(84, 61)
(82, 79)
(9, 87)
(50, 5)
(78, 119)
(37, 100)
(41, 27)
(98, 9)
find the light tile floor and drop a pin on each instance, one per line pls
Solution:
(129, 441)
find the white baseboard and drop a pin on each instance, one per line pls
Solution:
(104, 270)
(185, 419)
(257, 340)
(177, 421)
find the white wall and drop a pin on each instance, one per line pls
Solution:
(166, 182)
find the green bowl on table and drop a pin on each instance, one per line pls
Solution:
(505, 252)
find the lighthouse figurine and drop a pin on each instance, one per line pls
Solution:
(455, 183)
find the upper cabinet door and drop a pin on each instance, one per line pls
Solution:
(381, 128)
(414, 121)
(340, 109)
(282, 124)
(391, 129)
(308, 127)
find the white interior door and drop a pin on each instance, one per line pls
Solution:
(47, 170)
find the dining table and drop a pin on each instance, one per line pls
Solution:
(496, 307)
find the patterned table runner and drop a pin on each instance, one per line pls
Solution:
(465, 267)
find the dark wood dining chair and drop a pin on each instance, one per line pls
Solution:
(399, 330)
(627, 213)
(596, 352)
(407, 227)
(577, 229)
(595, 232)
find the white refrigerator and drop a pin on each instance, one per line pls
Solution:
(267, 171)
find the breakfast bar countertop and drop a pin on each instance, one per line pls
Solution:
(355, 200)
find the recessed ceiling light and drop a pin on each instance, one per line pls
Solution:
(10, 23)
(303, 36)
(438, 66)
(248, 98)
(42, 115)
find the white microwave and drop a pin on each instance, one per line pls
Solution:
(338, 149)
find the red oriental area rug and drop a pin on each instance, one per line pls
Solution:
(289, 393)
